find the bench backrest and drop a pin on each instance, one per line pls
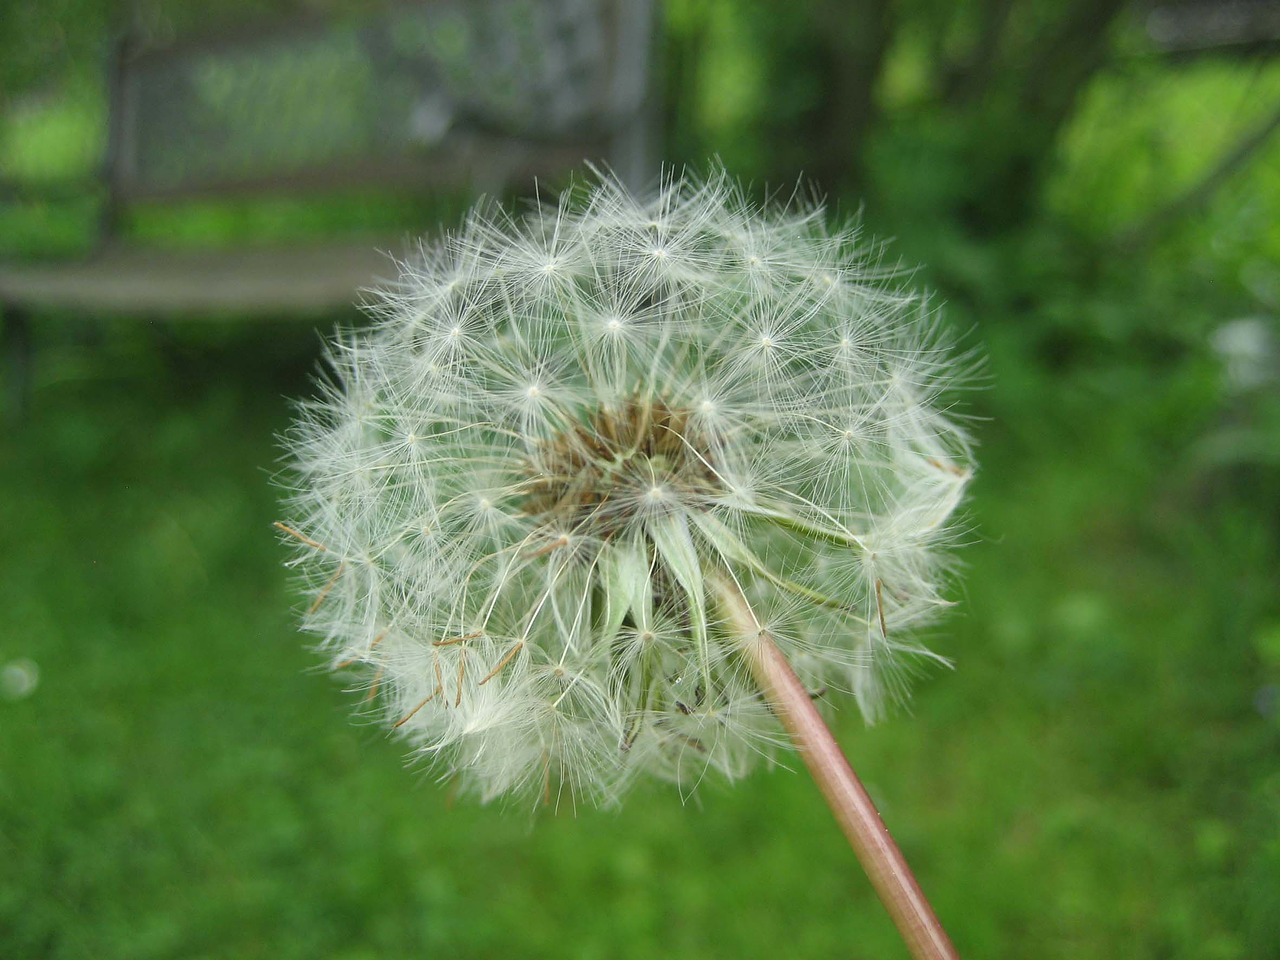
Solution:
(442, 93)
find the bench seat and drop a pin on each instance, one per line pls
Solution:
(128, 280)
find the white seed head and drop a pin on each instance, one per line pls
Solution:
(512, 495)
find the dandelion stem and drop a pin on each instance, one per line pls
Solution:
(848, 799)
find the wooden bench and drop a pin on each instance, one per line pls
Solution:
(476, 95)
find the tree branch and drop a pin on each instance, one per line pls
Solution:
(1198, 195)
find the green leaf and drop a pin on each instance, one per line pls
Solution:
(730, 547)
(671, 538)
(624, 570)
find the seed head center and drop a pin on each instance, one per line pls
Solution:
(620, 463)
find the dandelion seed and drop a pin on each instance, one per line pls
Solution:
(410, 715)
(324, 591)
(285, 528)
(568, 437)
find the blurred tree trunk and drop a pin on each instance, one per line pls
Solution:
(823, 60)
(853, 41)
(966, 83)
(679, 56)
(1021, 102)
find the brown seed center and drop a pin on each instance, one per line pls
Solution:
(641, 456)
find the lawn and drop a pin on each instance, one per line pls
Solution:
(1098, 777)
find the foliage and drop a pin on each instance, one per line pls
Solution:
(828, 81)
(1098, 777)
(1094, 779)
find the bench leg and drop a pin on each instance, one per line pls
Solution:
(16, 337)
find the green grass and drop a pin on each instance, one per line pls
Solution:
(1093, 780)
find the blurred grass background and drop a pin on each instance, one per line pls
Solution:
(1098, 778)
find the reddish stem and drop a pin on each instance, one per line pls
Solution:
(848, 799)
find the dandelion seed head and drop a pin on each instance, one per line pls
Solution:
(509, 499)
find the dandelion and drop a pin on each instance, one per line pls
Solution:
(602, 477)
